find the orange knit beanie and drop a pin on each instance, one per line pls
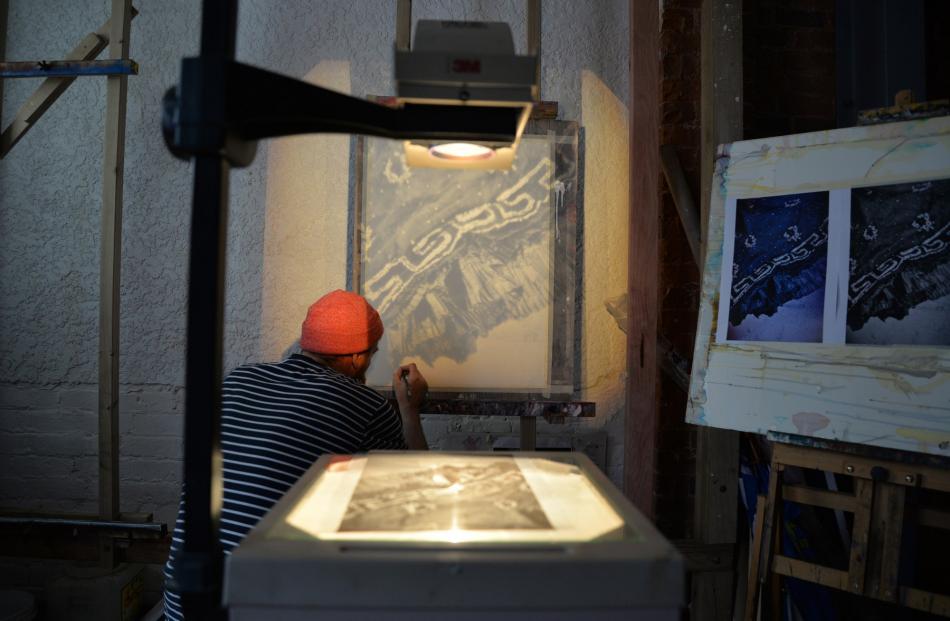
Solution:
(341, 322)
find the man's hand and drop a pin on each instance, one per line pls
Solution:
(410, 386)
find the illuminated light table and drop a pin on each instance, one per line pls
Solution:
(454, 536)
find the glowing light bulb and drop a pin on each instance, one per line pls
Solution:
(461, 151)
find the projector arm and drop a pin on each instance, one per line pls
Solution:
(223, 107)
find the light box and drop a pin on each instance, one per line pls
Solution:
(416, 535)
(453, 498)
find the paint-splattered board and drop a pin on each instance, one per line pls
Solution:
(757, 366)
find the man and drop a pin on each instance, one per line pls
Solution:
(278, 418)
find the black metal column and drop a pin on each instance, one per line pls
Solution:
(200, 568)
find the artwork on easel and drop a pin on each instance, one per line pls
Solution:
(825, 307)
(472, 271)
(779, 260)
(899, 288)
(890, 244)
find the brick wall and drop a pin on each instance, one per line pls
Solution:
(788, 66)
(48, 460)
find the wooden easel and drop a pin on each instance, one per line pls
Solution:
(881, 480)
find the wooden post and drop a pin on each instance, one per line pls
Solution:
(887, 520)
(683, 200)
(760, 567)
(721, 88)
(47, 93)
(403, 24)
(640, 422)
(752, 591)
(863, 494)
(529, 433)
(534, 41)
(3, 47)
(109, 258)
(717, 454)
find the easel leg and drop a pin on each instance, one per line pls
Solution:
(886, 526)
(765, 547)
(863, 493)
(752, 585)
(778, 523)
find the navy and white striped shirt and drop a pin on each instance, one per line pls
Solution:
(276, 420)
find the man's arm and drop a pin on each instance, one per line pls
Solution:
(410, 388)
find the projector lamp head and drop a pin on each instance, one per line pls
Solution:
(474, 65)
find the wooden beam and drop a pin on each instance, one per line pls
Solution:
(50, 89)
(4, 6)
(683, 200)
(884, 548)
(489, 404)
(933, 603)
(768, 522)
(858, 555)
(717, 473)
(674, 364)
(640, 421)
(403, 24)
(703, 556)
(534, 42)
(904, 112)
(125, 516)
(717, 452)
(794, 568)
(752, 583)
(721, 89)
(544, 110)
(528, 433)
(820, 497)
(66, 68)
(917, 599)
(898, 473)
(81, 545)
(933, 518)
(47, 93)
(109, 261)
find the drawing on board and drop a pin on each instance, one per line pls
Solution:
(778, 270)
(473, 494)
(899, 272)
(464, 266)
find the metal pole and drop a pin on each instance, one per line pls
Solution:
(200, 570)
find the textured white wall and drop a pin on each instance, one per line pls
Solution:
(287, 228)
